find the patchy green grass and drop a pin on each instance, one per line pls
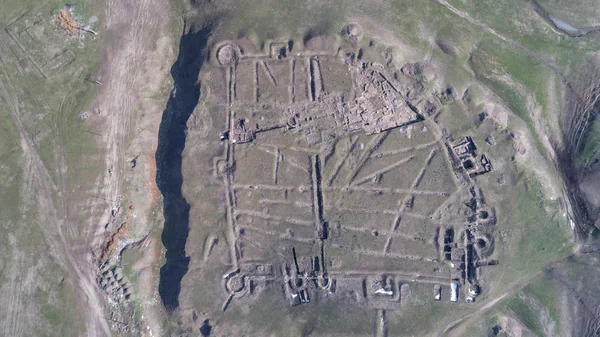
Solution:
(511, 74)
(520, 80)
(530, 233)
(255, 20)
(455, 119)
(543, 290)
(47, 104)
(49, 107)
(537, 306)
(57, 306)
(590, 145)
(580, 13)
(516, 20)
(526, 313)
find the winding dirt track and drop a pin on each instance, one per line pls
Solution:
(58, 249)
(129, 34)
(132, 31)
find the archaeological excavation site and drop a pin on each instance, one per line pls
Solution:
(330, 155)
(317, 168)
(324, 176)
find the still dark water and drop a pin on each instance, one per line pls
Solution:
(171, 142)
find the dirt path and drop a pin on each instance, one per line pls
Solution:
(513, 289)
(135, 66)
(487, 28)
(59, 249)
(133, 32)
(132, 29)
(483, 309)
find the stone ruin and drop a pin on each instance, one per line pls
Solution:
(294, 93)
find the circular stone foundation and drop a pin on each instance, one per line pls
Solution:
(235, 284)
(227, 55)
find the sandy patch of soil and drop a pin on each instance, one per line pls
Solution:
(138, 54)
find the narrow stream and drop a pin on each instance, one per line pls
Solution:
(561, 25)
(171, 143)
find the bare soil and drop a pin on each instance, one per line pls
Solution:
(137, 53)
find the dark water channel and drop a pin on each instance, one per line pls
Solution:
(171, 142)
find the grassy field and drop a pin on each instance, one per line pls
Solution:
(590, 145)
(558, 302)
(44, 93)
(43, 90)
(579, 14)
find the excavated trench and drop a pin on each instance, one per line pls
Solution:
(171, 143)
